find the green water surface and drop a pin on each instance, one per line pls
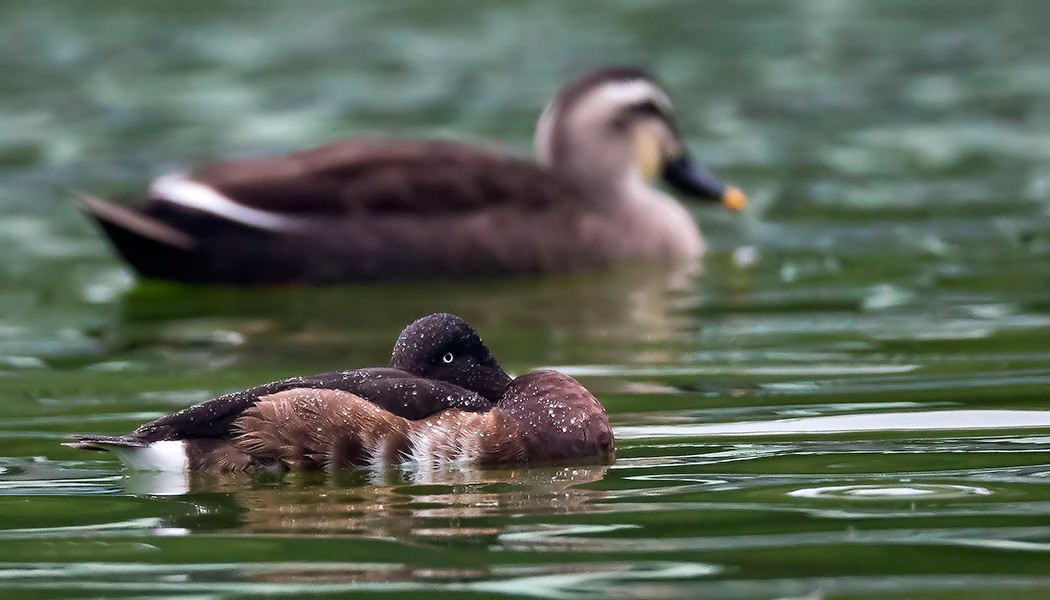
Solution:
(851, 401)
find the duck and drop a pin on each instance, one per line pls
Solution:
(442, 399)
(383, 209)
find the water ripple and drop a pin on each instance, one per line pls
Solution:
(947, 420)
(895, 492)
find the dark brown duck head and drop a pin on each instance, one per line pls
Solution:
(542, 417)
(614, 130)
(444, 347)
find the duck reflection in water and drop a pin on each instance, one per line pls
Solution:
(406, 502)
(431, 506)
(602, 316)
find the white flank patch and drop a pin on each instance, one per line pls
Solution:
(419, 448)
(178, 189)
(378, 457)
(169, 455)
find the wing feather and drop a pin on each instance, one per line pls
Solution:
(360, 177)
(393, 390)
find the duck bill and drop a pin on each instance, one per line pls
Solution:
(689, 177)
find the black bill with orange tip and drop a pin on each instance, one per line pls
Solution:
(689, 177)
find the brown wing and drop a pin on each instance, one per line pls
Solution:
(381, 177)
(315, 429)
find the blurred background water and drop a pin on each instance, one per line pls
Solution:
(852, 399)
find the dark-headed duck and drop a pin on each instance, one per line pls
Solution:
(443, 398)
(368, 210)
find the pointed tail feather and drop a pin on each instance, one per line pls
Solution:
(153, 248)
(102, 443)
(111, 216)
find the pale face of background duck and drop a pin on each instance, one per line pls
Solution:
(605, 127)
(615, 132)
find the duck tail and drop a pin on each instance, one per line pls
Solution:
(138, 454)
(103, 443)
(152, 247)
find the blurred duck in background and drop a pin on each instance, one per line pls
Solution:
(361, 210)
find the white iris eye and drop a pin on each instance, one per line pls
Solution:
(447, 358)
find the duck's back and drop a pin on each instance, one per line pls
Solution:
(392, 390)
(357, 178)
(361, 210)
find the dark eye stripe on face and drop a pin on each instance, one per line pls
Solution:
(648, 109)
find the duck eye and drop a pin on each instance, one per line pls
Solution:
(447, 358)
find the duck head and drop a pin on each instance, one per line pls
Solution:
(444, 347)
(616, 126)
